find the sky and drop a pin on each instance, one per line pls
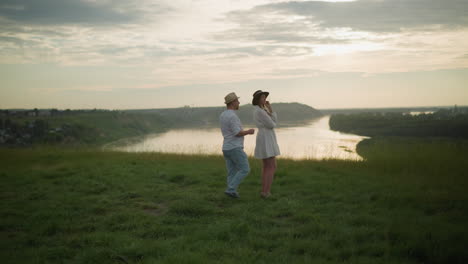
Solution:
(118, 54)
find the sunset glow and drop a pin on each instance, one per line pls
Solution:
(120, 54)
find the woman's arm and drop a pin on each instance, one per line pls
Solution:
(270, 112)
(274, 117)
(265, 119)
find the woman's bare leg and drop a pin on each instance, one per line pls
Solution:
(264, 177)
(268, 171)
(271, 172)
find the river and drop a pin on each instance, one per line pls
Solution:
(312, 141)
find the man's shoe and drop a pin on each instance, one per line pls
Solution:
(232, 194)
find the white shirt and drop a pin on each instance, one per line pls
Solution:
(230, 127)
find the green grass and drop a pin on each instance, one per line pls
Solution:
(90, 206)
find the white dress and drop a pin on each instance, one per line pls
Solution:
(266, 145)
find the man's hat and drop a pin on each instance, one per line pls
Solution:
(230, 97)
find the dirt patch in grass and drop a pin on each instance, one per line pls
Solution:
(156, 209)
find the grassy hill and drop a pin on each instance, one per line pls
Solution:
(407, 203)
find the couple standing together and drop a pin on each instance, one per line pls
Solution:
(266, 147)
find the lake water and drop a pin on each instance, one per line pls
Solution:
(312, 141)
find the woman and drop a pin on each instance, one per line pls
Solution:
(266, 147)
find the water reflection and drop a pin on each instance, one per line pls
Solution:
(414, 113)
(313, 141)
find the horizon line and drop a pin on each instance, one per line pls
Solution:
(191, 106)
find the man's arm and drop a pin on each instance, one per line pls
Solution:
(245, 132)
(236, 126)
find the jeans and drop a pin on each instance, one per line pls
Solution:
(237, 168)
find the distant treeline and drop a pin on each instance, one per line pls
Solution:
(76, 127)
(382, 110)
(443, 123)
(52, 126)
(289, 114)
(14, 132)
(45, 112)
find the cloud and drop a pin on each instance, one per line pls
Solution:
(63, 12)
(295, 72)
(364, 15)
(263, 24)
(11, 28)
(278, 33)
(302, 35)
(255, 50)
(13, 40)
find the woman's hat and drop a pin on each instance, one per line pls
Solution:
(258, 93)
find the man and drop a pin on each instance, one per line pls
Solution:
(233, 145)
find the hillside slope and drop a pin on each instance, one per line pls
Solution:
(289, 114)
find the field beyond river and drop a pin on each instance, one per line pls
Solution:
(405, 203)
